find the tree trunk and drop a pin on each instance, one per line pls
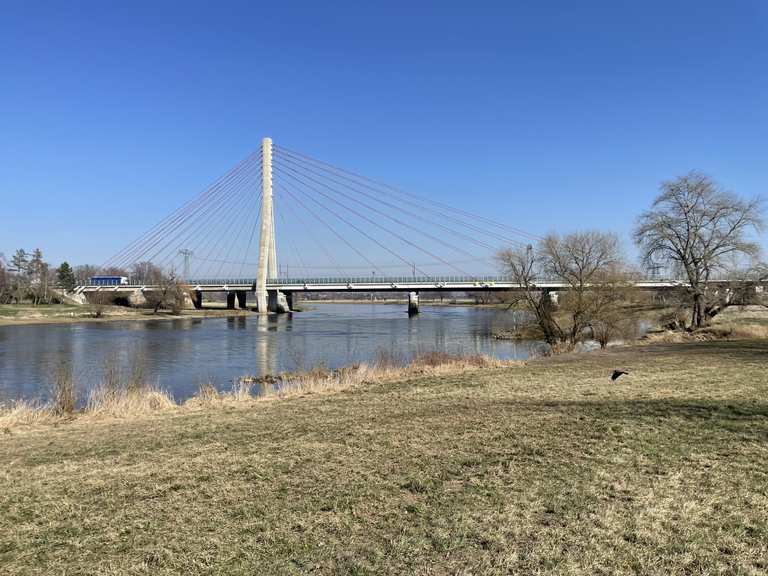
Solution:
(552, 332)
(697, 320)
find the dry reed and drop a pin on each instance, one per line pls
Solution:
(117, 396)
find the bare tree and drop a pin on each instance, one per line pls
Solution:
(695, 226)
(84, 272)
(589, 263)
(607, 304)
(114, 271)
(169, 294)
(586, 261)
(146, 273)
(38, 272)
(525, 266)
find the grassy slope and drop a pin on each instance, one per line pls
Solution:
(545, 468)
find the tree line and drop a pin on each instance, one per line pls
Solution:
(695, 230)
(27, 278)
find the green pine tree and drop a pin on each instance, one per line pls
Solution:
(20, 261)
(66, 277)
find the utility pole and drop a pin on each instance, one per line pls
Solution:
(187, 254)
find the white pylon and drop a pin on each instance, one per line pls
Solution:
(267, 249)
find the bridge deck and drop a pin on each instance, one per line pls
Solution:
(368, 284)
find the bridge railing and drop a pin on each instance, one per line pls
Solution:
(425, 282)
(352, 280)
(382, 280)
(388, 280)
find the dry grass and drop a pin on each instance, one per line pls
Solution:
(123, 396)
(104, 402)
(24, 414)
(719, 331)
(385, 368)
(541, 468)
(737, 330)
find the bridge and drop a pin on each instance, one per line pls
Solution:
(238, 288)
(211, 244)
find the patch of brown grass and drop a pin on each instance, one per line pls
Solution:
(127, 403)
(23, 413)
(386, 368)
(717, 331)
(733, 330)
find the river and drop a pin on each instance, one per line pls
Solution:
(179, 355)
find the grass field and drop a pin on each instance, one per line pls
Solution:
(543, 468)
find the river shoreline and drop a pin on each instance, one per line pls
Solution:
(64, 314)
(15, 315)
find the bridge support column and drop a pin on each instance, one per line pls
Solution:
(413, 303)
(137, 299)
(241, 299)
(552, 296)
(278, 303)
(197, 299)
(230, 300)
(267, 267)
(289, 300)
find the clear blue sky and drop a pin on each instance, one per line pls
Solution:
(549, 116)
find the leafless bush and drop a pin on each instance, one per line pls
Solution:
(137, 379)
(207, 392)
(63, 392)
(436, 358)
(388, 358)
(589, 264)
(121, 396)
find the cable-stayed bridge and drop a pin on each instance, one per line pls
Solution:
(338, 232)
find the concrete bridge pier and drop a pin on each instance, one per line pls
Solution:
(289, 300)
(277, 302)
(242, 299)
(197, 299)
(231, 300)
(137, 299)
(552, 296)
(413, 303)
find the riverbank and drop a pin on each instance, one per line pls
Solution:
(20, 315)
(542, 467)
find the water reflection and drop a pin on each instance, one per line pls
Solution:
(181, 354)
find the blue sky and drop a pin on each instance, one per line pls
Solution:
(549, 116)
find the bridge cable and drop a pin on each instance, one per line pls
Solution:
(290, 240)
(254, 207)
(435, 213)
(221, 221)
(200, 211)
(376, 224)
(317, 217)
(208, 195)
(309, 230)
(401, 210)
(423, 199)
(192, 227)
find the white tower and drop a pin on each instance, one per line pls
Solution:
(267, 249)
